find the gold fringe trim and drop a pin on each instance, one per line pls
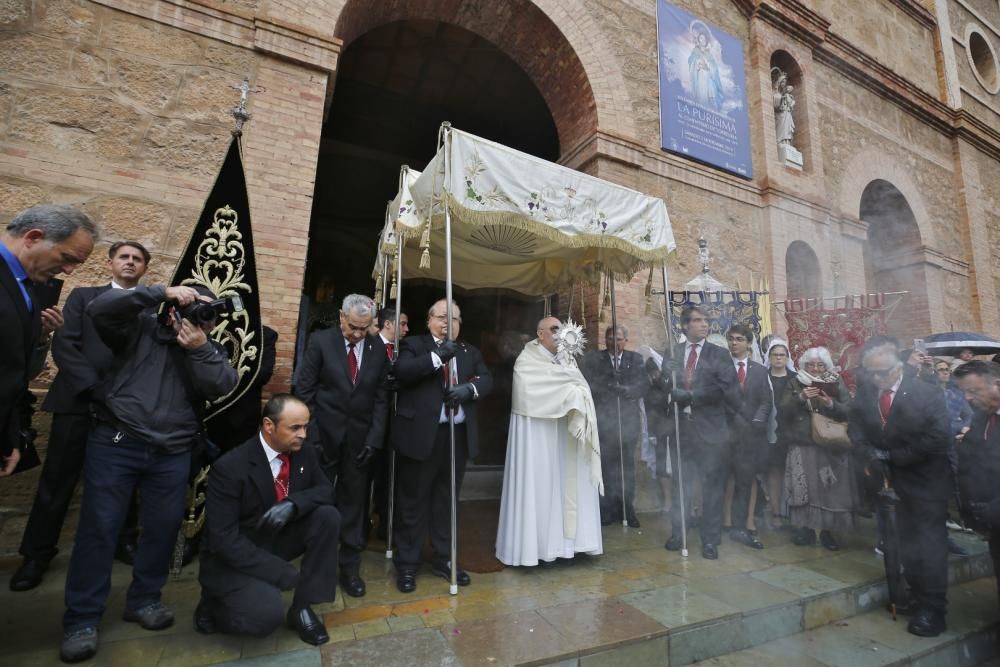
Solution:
(392, 290)
(425, 259)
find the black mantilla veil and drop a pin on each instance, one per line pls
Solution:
(220, 256)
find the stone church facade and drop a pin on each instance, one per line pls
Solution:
(121, 107)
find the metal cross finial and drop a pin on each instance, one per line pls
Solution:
(239, 112)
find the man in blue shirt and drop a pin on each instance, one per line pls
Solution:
(38, 244)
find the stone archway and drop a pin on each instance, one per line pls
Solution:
(894, 260)
(802, 272)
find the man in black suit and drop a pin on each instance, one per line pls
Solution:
(749, 427)
(269, 502)
(421, 437)
(900, 430)
(979, 453)
(39, 243)
(707, 391)
(381, 472)
(83, 360)
(343, 381)
(617, 384)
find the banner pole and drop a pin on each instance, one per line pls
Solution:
(618, 400)
(453, 364)
(395, 356)
(671, 349)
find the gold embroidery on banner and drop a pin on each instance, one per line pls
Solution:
(219, 265)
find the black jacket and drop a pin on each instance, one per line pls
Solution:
(82, 357)
(600, 374)
(750, 419)
(240, 490)
(979, 471)
(715, 393)
(421, 395)
(916, 435)
(344, 413)
(19, 333)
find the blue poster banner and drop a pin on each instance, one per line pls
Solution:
(703, 104)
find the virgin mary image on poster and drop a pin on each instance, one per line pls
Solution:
(704, 85)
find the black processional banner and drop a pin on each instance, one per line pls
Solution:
(220, 256)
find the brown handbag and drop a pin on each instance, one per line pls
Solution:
(827, 432)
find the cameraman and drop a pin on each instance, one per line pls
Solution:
(145, 429)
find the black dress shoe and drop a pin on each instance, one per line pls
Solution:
(709, 552)
(406, 580)
(29, 575)
(926, 624)
(804, 537)
(745, 537)
(674, 544)
(352, 584)
(633, 520)
(305, 621)
(826, 539)
(204, 621)
(443, 570)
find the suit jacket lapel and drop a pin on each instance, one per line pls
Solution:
(339, 355)
(260, 473)
(17, 298)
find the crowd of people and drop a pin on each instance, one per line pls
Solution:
(794, 445)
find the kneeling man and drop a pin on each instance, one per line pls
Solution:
(550, 507)
(269, 502)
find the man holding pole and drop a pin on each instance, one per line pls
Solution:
(707, 387)
(437, 374)
(617, 384)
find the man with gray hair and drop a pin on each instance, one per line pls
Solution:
(899, 428)
(343, 381)
(38, 244)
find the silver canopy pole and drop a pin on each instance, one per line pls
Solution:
(453, 363)
(671, 350)
(618, 400)
(395, 356)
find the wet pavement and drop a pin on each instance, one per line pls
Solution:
(637, 604)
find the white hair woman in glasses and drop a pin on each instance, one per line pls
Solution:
(820, 491)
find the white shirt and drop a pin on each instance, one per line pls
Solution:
(115, 285)
(272, 456)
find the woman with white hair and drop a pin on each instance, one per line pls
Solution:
(820, 488)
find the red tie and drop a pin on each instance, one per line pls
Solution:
(692, 361)
(281, 481)
(741, 374)
(885, 405)
(990, 423)
(352, 363)
(389, 347)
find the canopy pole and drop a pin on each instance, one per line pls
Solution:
(452, 364)
(671, 350)
(395, 356)
(618, 399)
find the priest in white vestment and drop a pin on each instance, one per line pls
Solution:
(552, 481)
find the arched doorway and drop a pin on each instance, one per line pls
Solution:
(397, 80)
(802, 273)
(894, 259)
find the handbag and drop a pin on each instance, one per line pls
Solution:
(828, 432)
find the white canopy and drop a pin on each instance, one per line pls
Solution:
(519, 222)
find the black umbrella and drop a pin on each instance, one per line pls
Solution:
(953, 342)
(885, 505)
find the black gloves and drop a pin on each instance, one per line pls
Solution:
(277, 517)
(980, 514)
(365, 456)
(881, 454)
(878, 464)
(619, 389)
(447, 350)
(460, 393)
(391, 382)
(681, 397)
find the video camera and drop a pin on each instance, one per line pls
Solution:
(204, 312)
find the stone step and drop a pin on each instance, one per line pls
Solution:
(874, 639)
(826, 607)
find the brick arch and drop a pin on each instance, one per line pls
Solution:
(563, 53)
(873, 165)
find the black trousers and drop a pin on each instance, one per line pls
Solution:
(245, 605)
(423, 499)
(60, 474)
(711, 463)
(748, 459)
(352, 487)
(923, 546)
(612, 468)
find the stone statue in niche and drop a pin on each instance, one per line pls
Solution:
(784, 104)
